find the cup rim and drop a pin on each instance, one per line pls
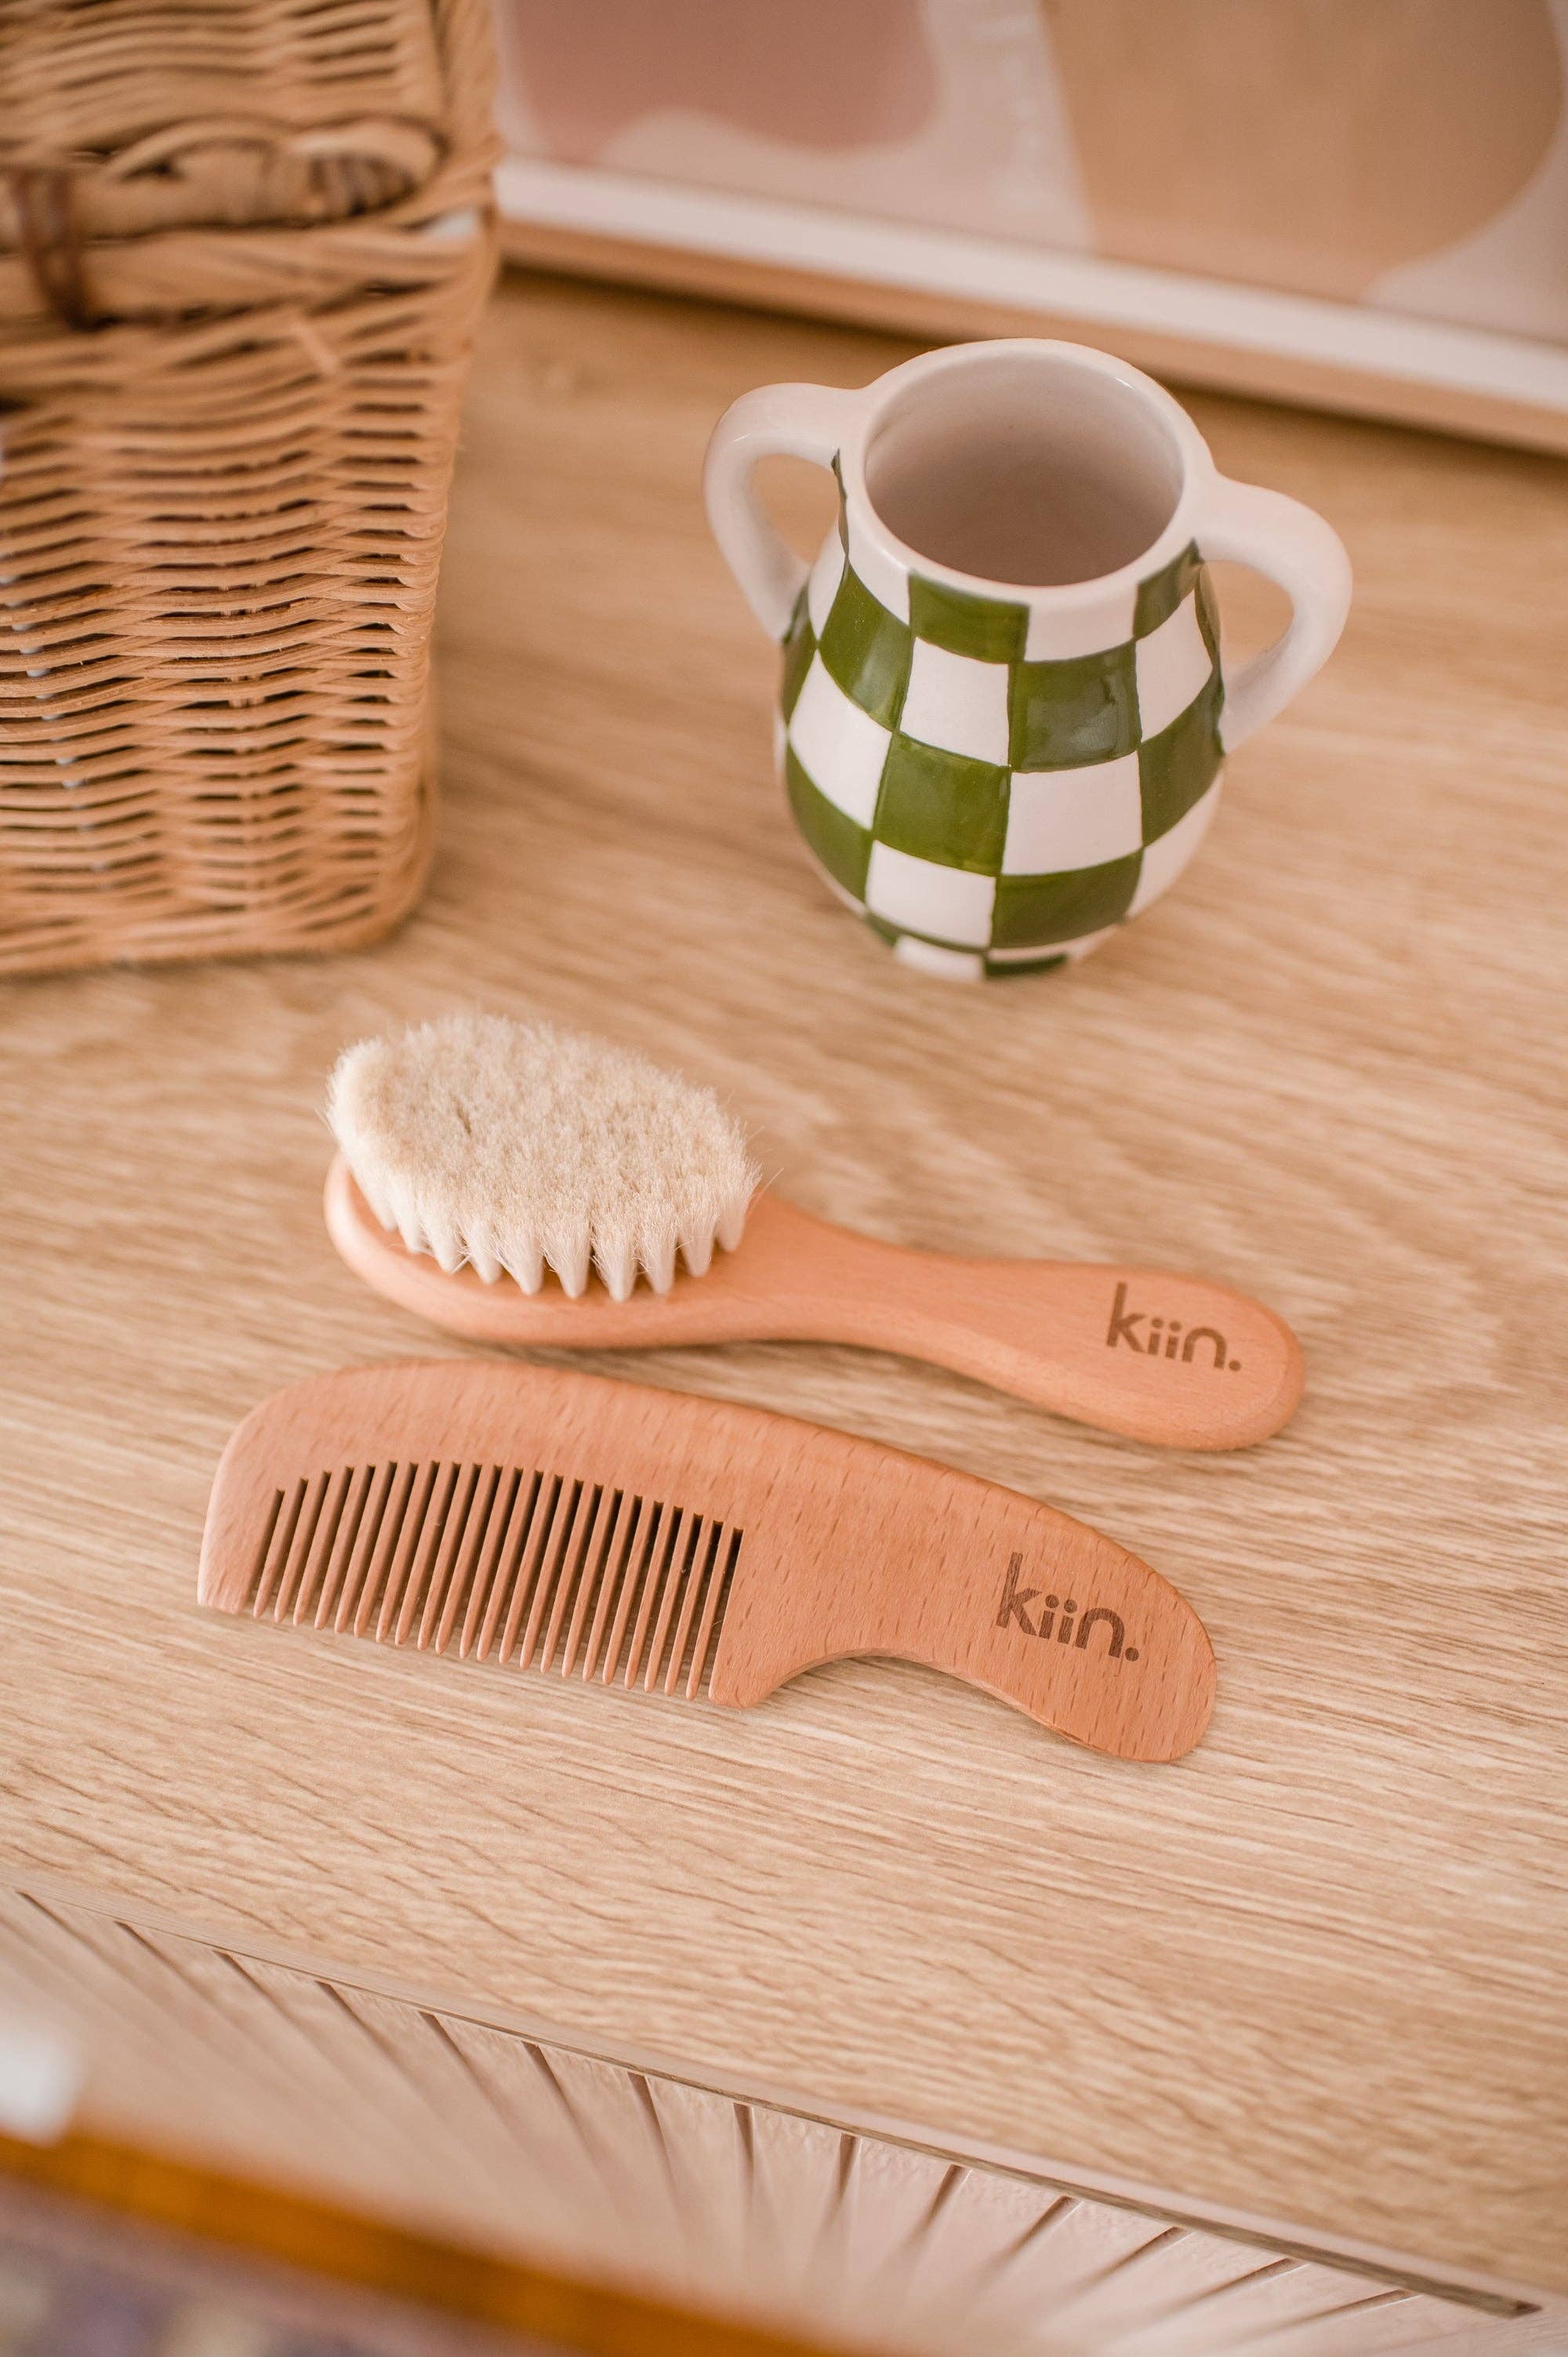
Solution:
(1175, 534)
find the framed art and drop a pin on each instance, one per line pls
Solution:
(1365, 208)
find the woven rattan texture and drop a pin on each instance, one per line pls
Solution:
(232, 349)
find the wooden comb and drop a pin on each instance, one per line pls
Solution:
(605, 1531)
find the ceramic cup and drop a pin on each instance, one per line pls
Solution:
(1002, 715)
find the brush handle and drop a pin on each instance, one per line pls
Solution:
(1174, 1360)
(1089, 1343)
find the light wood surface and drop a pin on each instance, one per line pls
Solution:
(1317, 1972)
(540, 1518)
(1103, 1345)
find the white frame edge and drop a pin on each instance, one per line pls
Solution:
(1510, 370)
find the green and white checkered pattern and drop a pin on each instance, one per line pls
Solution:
(994, 787)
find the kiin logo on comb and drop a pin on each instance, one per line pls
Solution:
(1011, 1614)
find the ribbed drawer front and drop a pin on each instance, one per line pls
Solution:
(535, 2151)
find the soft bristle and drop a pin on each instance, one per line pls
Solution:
(516, 1146)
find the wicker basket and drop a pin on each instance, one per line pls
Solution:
(243, 250)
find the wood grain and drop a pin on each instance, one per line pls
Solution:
(1083, 1342)
(1318, 1971)
(541, 1519)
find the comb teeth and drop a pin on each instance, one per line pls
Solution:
(504, 1563)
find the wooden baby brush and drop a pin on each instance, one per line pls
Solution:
(476, 1154)
(539, 1519)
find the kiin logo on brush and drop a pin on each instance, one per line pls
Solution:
(1056, 1619)
(1165, 1339)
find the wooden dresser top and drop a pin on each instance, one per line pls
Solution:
(1319, 1970)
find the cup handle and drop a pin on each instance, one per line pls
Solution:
(793, 421)
(1289, 543)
